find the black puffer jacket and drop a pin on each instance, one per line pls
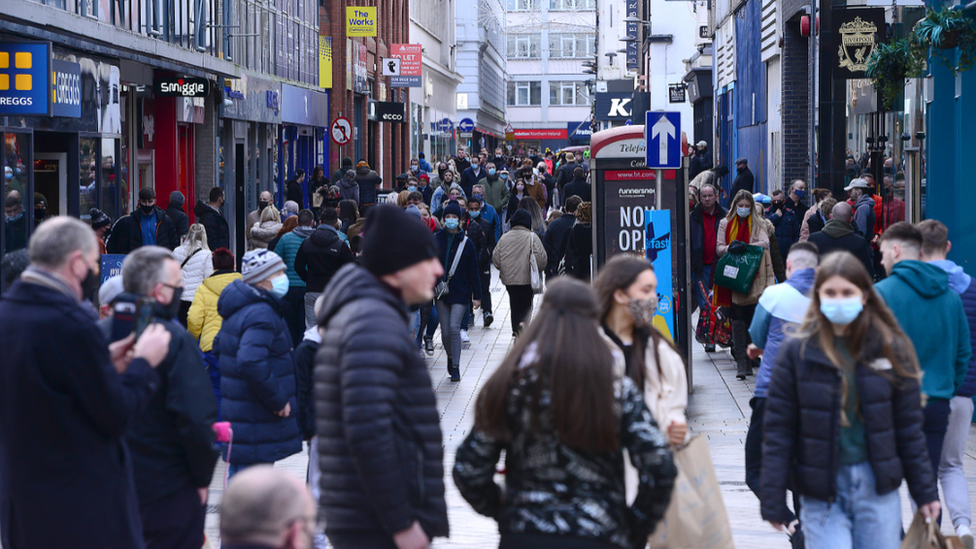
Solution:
(368, 182)
(379, 435)
(802, 428)
(320, 257)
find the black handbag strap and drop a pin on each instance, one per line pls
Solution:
(188, 257)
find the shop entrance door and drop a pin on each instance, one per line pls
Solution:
(184, 182)
(51, 180)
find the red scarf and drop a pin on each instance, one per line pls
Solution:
(722, 297)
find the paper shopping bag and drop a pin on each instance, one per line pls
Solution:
(927, 536)
(696, 516)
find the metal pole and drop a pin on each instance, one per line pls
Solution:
(814, 45)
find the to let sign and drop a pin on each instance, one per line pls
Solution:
(411, 65)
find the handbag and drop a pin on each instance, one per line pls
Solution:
(442, 289)
(713, 327)
(737, 271)
(535, 280)
(927, 536)
(696, 516)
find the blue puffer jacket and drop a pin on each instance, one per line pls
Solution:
(257, 375)
(780, 312)
(962, 284)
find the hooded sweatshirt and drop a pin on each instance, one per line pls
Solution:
(962, 284)
(864, 217)
(840, 236)
(780, 311)
(368, 182)
(932, 315)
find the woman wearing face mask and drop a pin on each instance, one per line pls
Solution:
(743, 226)
(843, 422)
(257, 374)
(464, 285)
(626, 289)
(196, 262)
(517, 194)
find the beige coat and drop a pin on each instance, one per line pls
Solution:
(765, 277)
(263, 233)
(513, 253)
(665, 385)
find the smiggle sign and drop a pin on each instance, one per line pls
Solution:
(182, 87)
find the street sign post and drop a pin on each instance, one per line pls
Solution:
(445, 125)
(465, 128)
(662, 131)
(341, 130)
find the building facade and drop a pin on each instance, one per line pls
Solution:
(481, 62)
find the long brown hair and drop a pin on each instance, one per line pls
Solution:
(573, 362)
(289, 225)
(874, 332)
(620, 273)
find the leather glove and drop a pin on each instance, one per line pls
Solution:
(737, 247)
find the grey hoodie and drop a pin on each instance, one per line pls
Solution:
(349, 189)
(864, 217)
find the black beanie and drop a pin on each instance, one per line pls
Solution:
(98, 219)
(522, 219)
(452, 208)
(393, 241)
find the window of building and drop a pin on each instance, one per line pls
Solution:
(569, 5)
(568, 93)
(524, 94)
(524, 46)
(523, 5)
(571, 46)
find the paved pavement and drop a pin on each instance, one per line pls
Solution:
(718, 409)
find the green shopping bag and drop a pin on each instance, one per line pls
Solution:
(737, 271)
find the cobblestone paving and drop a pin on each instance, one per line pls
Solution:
(718, 409)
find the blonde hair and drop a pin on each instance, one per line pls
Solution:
(196, 237)
(271, 213)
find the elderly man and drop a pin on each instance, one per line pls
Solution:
(253, 218)
(266, 509)
(172, 440)
(67, 397)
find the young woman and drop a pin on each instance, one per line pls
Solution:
(195, 262)
(626, 289)
(563, 413)
(464, 286)
(843, 421)
(348, 214)
(535, 212)
(743, 226)
(512, 255)
(516, 196)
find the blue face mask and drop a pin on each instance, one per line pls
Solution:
(841, 311)
(412, 188)
(799, 193)
(504, 176)
(491, 172)
(279, 286)
(478, 196)
(743, 212)
(474, 213)
(451, 224)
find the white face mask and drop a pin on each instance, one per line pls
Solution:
(743, 212)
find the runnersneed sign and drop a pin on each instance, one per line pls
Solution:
(361, 21)
(171, 86)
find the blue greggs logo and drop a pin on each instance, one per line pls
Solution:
(25, 78)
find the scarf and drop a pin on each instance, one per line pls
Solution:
(734, 230)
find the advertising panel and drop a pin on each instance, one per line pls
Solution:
(25, 78)
(360, 21)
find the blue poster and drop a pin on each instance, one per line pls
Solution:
(657, 231)
(111, 265)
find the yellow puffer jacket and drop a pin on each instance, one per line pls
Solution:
(203, 322)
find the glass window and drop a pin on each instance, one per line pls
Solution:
(16, 169)
(88, 192)
(524, 46)
(523, 5)
(567, 93)
(524, 94)
(109, 181)
(569, 5)
(572, 46)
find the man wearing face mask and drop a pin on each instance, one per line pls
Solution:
(319, 258)
(65, 428)
(172, 440)
(148, 225)
(15, 224)
(258, 392)
(253, 218)
(794, 201)
(495, 190)
(212, 219)
(744, 180)
(472, 175)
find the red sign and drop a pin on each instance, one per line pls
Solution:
(411, 58)
(559, 133)
(628, 175)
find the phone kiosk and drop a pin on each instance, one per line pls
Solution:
(644, 211)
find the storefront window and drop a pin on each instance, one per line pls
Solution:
(89, 174)
(109, 177)
(16, 160)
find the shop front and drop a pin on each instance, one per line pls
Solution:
(303, 139)
(542, 138)
(247, 151)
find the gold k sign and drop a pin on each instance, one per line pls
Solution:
(857, 42)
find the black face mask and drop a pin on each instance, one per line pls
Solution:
(39, 214)
(90, 284)
(148, 210)
(170, 311)
(262, 206)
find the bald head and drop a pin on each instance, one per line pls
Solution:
(264, 506)
(842, 212)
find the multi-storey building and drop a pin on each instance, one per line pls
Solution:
(481, 62)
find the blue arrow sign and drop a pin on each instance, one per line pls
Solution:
(466, 125)
(445, 125)
(662, 131)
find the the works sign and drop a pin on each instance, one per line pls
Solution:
(25, 78)
(613, 105)
(171, 86)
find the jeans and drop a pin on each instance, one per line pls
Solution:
(486, 292)
(741, 319)
(310, 320)
(705, 277)
(951, 474)
(936, 414)
(520, 300)
(859, 518)
(175, 521)
(294, 313)
(754, 438)
(213, 370)
(466, 319)
(450, 317)
(428, 322)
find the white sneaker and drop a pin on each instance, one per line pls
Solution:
(464, 337)
(966, 535)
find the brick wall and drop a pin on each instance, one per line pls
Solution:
(796, 102)
(205, 164)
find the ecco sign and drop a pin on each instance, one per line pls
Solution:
(387, 111)
(182, 87)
